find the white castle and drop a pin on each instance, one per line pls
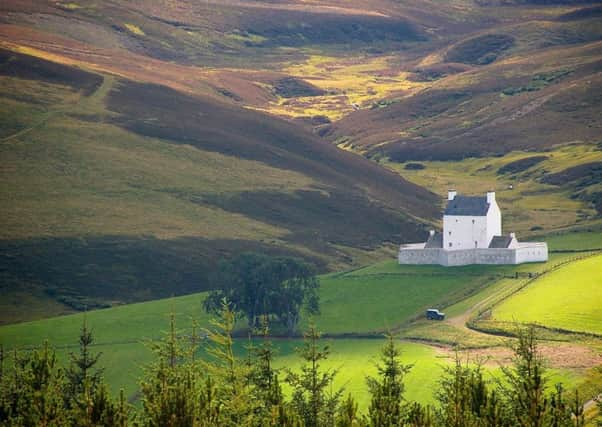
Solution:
(472, 234)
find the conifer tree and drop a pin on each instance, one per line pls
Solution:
(311, 399)
(82, 371)
(387, 390)
(264, 377)
(418, 415)
(526, 382)
(466, 399)
(231, 393)
(170, 388)
(559, 412)
(31, 395)
(348, 414)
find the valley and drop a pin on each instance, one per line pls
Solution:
(144, 143)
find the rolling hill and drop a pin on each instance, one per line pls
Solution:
(116, 191)
(142, 143)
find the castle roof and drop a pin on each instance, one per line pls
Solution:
(500, 241)
(467, 206)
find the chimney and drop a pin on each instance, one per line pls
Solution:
(512, 236)
(451, 194)
(431, 233)
(490, 197)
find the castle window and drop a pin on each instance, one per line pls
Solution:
(450, 233)
(473, 221)
(450, 245)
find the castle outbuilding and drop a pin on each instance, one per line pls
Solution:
(472, 234)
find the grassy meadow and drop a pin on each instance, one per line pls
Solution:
(359, 80)
(365, 301)
(569, 298)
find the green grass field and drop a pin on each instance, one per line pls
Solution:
(364, 301)
(391, 295)
(576, 240)
(569, 298)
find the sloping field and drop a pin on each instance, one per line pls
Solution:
(375, 298)
(569, 298)
(529, 204)
(115, 191)
(387, 295)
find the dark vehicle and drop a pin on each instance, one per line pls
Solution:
(434, 314)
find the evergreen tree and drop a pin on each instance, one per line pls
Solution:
(418, 415)
(311, 399)
(264, 377)
(171, 392)
(234, 402)
(31, 395)
(526, 381)
(466, 399)
(82, 369)
(348, 414)
(560, 414)
(387, 390)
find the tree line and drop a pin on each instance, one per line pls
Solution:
(180, 389)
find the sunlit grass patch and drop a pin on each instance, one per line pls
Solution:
(134, 29)
(569, 298)
(350, 83)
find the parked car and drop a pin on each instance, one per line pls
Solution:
(434, 314)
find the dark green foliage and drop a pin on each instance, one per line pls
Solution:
(348, 414)
(259, 286)
(81, 375)
(32, 393)
(466, 400)
(560, 413)
(386, 406)
(220, 390)
(37, 392)
(173, 391)
(312, 399)
(526, 382)
(85, 394)
(418, 415)
(264, 377)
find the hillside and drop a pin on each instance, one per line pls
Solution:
(142, 143)
(119, 191)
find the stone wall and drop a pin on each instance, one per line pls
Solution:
(526, 252)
